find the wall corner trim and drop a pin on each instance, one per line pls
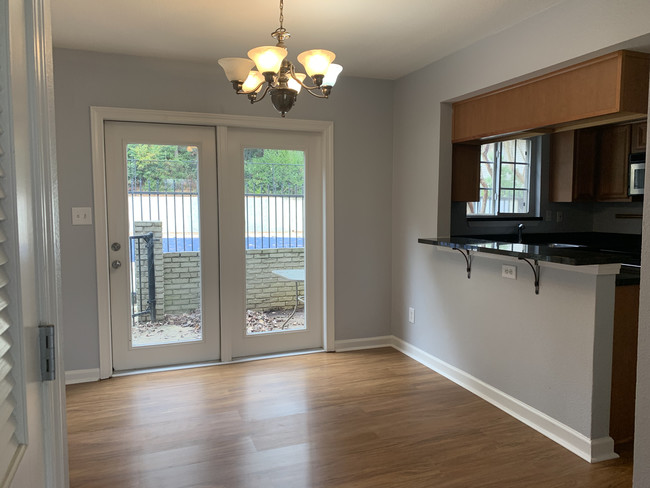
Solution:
(592, 450)
(364, 343)
(81, 376)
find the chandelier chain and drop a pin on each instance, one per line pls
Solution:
(281, 13)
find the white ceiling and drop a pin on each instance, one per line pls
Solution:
(371, 38)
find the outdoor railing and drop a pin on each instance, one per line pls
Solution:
(272, 220)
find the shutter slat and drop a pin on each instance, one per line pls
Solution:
(6, 385)
(7, 432)
(3, 256)
(4, 299)
(4, 279)
(6, 364)
(5, 345)
(4, 322)
(6, 409)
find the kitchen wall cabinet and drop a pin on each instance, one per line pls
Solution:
(612, 162)
(610, 88)
(626, 325)
(572, 165)
(639, 136)
(465, 173)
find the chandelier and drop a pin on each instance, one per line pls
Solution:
(277, 75)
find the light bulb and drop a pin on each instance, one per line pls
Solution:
(316, 61)
(254, 80)
(332, 74)
(293, 84)
(268, 59)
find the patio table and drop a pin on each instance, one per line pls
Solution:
(295, 275)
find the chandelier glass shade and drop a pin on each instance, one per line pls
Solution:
(276, 75)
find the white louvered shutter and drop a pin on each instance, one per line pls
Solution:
(8, 442)
(9, 445)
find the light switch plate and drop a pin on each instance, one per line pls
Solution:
(411, 315)
(82, 216)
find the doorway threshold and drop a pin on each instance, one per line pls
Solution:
(204, 364)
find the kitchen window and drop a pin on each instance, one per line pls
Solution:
(505, 180)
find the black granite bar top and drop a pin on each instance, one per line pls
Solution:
(555, 252)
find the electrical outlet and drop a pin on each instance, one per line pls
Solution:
(411, 315)
(558, 216)
(549, 216)
(82, 216)
(509, 271)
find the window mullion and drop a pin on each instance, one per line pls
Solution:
(497, 182)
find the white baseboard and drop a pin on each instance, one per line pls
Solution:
(592, 450)
(366, 343)
(81, 376)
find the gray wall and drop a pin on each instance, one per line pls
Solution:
(362, 113)
(566, 33)
(642, 428)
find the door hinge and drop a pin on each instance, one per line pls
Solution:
(46, 340)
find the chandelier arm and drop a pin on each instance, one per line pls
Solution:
(255, 100)
(292, 73)
(254, 90)
(317, 95)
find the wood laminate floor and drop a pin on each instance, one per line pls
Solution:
(358, 419)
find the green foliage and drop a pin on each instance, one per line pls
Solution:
(164, 167)
(274, 171)
(160, 167)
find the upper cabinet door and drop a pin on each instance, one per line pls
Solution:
(639, 136)
(573, 165)
(614, 170)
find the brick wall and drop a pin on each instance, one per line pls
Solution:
(182, 281)
(178, 276)
(265, 290)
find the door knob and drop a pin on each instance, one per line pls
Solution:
(116, 264)
(116, 246)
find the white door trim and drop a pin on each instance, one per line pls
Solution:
(98, 115)
(46, 240)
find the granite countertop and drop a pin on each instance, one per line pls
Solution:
(556, 251)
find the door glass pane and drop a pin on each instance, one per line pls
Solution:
(165, 244)
(274, 200)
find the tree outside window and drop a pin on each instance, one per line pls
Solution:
(504, 179)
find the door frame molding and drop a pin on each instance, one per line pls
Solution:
(99, 115)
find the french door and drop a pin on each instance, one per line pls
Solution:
(163, 240)
(212, 256)
(271, 228)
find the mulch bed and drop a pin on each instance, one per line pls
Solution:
(187, 326)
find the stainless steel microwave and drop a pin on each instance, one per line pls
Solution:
(637, 173)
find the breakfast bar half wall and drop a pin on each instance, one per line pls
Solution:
(548, 356)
